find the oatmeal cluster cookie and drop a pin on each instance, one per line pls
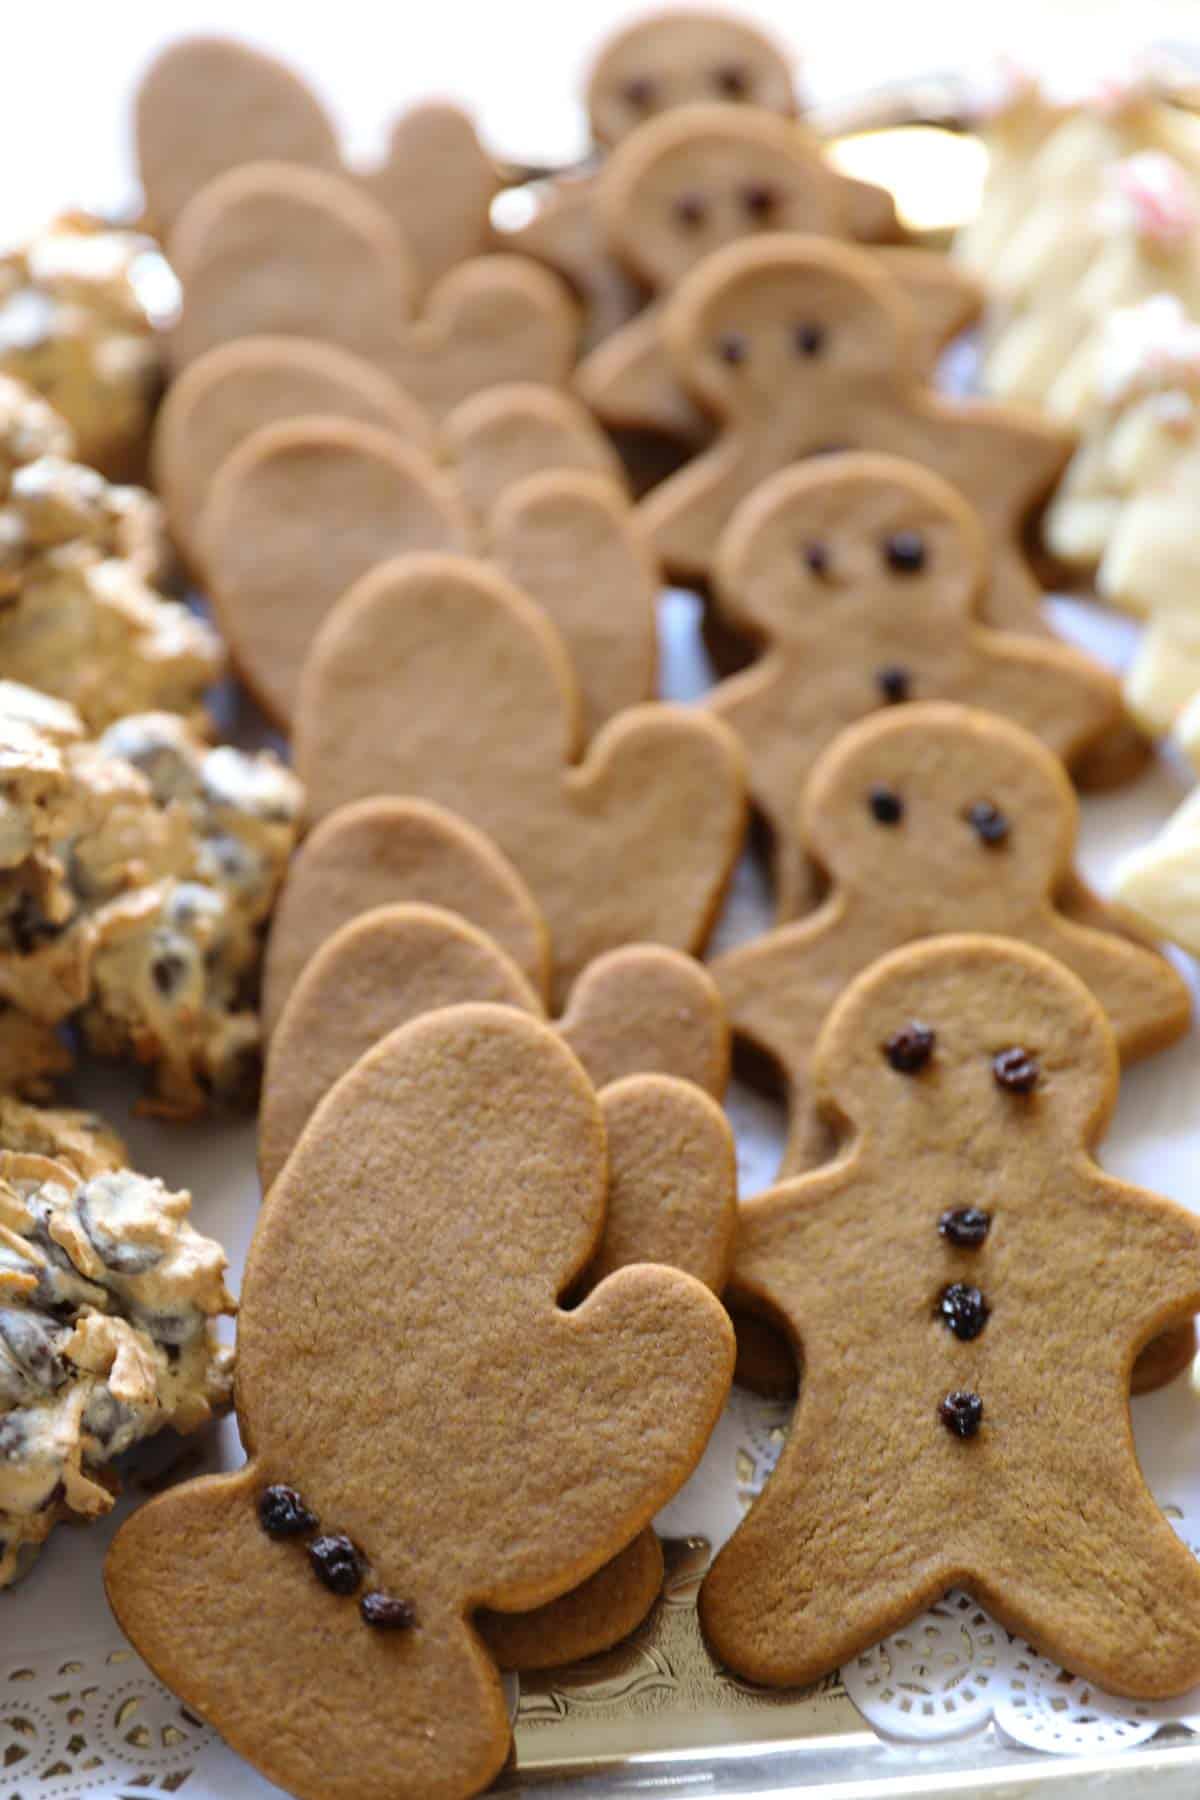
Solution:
(80, 616)
(80, 310)
(137, 870)
(108, 1298)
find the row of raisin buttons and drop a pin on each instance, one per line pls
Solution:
(336, 1561)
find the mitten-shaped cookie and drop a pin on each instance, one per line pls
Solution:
(445, 1194)
(208, 104)
(386, 852)
(489, 441)
(635, 843)
(872, 571)
(641, 1009)
(436, 184)
(694, 181)
(801, 346)
(990, 1447)
(275, 249)
(232, 391)
(303, 508)
(934, 819)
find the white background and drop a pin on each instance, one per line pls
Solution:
(70, 67)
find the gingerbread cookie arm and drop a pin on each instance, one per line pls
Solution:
(870, 212)
(274, 579)
(647, 1010)
(564, 234)
(437, 185)
(232, 391)
(376, 973)
(569, 540)
(630, 383)
(429, 1714)
(945, 298)
(1146, 999)
(1063, 696)
(271, 249)
(493, 319)
(382, 852)
(208, 104)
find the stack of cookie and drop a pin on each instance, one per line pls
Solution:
(432, 474)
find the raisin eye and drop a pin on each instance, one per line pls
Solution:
(731, 81)
(988, 823)
(640, 93)
(732, 348)
(759, 201)
(905, 552)
(691, 210)
(816, 559)
(887, 808)
(809, 339)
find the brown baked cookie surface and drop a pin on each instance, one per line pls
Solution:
(990, 1447)
(444, 1195)
(874, 571)
(634, 843)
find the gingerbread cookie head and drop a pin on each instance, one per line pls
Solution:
(681, 57)
(945, 811)
(846, 543)
(461, 1163)
(209, 104)
(790, 326)
(996, 1037)
(701, 177)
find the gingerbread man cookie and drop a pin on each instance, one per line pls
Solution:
(635, 843)
(929, 819)
(386, 852)
(567, 537)
(353, 1578)
(700, 178)
(800, 345)
(640, 1009)
(873, 571)
(277, 250)
(990, 1446)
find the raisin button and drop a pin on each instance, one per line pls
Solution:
(1016, 1070)
(909, 1049)
(961, 1413)
(337, 1563)
(988, 823)
(894, 683)
(387, 1613)
(965, 1226)
(283, 1514)
(887, 808)
(963, 1310)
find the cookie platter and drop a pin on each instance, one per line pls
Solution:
(948, 1701)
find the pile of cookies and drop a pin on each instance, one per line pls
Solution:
(431, 472)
